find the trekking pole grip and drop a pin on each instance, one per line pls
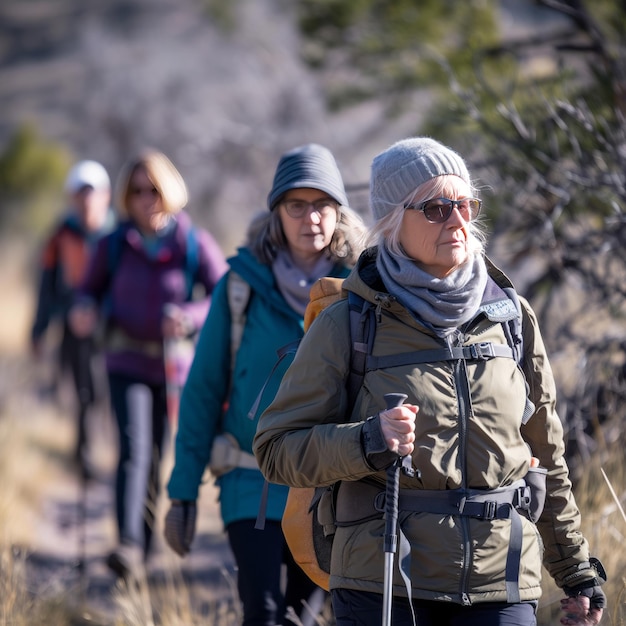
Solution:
(392, 400)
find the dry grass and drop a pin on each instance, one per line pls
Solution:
(600, 495)
(33, 455)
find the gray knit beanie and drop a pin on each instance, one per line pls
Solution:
(404, 166)
(311, 166)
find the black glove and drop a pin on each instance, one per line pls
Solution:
(592, 590)
(180, 525)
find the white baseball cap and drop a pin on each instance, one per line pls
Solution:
(87, 174)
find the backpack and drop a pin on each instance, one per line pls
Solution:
(308, 519)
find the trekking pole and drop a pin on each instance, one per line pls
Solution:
(391, 517)
(170, 364)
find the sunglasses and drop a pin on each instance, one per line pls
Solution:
(140, 191)
(438, 210)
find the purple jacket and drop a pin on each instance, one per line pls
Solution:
(132, 283)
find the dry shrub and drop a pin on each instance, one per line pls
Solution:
(600, 495)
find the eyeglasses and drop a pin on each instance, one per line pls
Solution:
(438, 210)
(140, 191)
(300, 208)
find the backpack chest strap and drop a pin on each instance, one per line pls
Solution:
(475, 352)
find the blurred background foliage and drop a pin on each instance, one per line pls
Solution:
(32, 173)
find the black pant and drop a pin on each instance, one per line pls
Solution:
(260, 555)
(76, 355)
(361, 608)
(141, 413)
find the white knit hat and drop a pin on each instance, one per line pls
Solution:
(407, 164)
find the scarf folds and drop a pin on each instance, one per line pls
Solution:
(293, 283)
(444, 304)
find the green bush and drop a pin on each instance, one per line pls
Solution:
(32, 172)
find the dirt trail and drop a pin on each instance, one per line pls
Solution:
(74, 532)
(68, 526)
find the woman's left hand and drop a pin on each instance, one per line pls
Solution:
(578, 611)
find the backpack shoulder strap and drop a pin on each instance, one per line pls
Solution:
(324, 291)
(192, 253)
(362, 332)
(513, 327)
(514, 335)
(114, 244)
(114, 248)
(238, 292)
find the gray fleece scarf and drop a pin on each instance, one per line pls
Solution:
(295, 284)
(443, 304)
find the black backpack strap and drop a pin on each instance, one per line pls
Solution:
(362, 331)
(513, 328)
(192, 259)
(513, 332)
(475, 352)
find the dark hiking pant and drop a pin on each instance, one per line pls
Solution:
(76, 355)
(141, 414)
(260, 555)
(361, 608)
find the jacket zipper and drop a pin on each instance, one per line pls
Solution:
(461, 384)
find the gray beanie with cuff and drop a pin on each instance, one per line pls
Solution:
(309, 166)
(404, 166)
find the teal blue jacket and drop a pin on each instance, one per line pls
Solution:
(210, 405)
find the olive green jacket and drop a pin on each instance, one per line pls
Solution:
(308, 437)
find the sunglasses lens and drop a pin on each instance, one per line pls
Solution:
(437, 211)
(474, 208)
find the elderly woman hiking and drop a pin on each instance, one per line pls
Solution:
(308, 232)
(473, 536)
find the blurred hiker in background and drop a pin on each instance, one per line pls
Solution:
(150, 281)
(64, 261)
(258, 307)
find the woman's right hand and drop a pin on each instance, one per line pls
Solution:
(398, 428)
(83, 319)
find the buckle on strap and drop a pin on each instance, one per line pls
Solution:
(490, 508)
(522, 498)
(481, 351)
(486, 510)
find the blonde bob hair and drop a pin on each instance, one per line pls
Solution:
(162, 174)
(265, 237)
(387, 230)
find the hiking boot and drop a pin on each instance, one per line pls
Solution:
(127, 562)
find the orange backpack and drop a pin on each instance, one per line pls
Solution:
(309, 540)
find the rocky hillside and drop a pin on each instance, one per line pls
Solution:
(223, 101)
